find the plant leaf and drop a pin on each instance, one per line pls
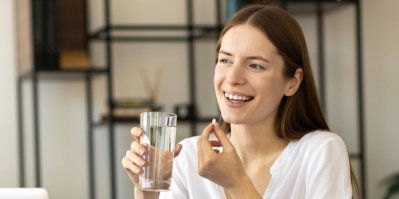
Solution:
(392, 190)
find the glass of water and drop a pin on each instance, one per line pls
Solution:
(159, 139)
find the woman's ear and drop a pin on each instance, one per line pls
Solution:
(294, 83)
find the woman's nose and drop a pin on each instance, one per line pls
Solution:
(235, 75)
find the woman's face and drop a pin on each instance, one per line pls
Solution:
(249, 82)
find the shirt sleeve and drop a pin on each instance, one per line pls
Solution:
(328, 171)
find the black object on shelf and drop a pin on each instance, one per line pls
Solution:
(185, 111)
(46, 52)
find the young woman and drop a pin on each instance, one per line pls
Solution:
(276, 142)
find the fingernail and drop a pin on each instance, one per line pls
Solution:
(213, 121)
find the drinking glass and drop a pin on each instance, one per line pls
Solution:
(159, 140)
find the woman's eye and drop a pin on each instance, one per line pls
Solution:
(257, 67)
(223, 61)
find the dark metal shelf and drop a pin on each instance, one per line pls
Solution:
(306, 7)
(355, 156)
(63, 73)
(155, 33)
(318, 1)
(131, 120)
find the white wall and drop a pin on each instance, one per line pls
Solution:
(8, 120)
(381, 51)
(62, 103)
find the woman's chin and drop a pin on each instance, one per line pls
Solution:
(232, 120)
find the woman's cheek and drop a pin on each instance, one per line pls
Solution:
(218, 76)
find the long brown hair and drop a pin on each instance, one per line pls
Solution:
(300, 113)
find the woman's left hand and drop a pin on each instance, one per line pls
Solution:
(223, 168)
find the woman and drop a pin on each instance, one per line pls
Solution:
(274, 136)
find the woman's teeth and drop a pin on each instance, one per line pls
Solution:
(237, 97)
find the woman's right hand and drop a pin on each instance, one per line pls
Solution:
(133, 162)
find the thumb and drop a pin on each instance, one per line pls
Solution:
(221, 135)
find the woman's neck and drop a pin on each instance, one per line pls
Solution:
(254, 142)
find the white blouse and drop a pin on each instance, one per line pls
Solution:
(316, 166)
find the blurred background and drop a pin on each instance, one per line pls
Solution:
(65, 66)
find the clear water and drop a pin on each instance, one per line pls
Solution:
(160, 145)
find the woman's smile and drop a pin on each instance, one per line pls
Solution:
(236, 99)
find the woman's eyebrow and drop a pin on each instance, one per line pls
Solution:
(259, 58)
(225, 53)
(250, 57)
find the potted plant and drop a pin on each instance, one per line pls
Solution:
(393, 185)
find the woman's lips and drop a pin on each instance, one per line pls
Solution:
(237, 97)
(236, 100)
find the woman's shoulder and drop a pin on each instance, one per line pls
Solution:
(321, 142)
(319, 137)
(315, 149)
(320, 161)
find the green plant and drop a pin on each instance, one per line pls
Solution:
(393, 185)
